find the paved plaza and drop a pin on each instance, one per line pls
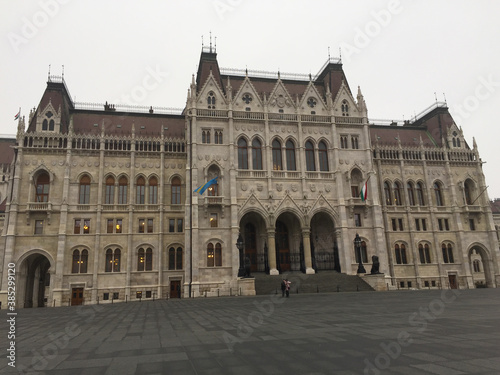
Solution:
(399, 332)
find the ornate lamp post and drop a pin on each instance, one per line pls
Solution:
(240, 245)
(357, 245)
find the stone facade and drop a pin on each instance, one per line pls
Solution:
(100, 202)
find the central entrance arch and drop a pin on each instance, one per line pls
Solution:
(34, 281)
(289, 246)
(253, 230)
(324, 249)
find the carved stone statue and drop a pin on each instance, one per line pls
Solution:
(248, 263)
(375, 266)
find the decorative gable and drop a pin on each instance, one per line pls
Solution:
(49, 119)
(280, 100)
(211, 95)
(312, 103)
(247, 97)
(344, 103)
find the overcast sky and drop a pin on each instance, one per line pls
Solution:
(144, 53)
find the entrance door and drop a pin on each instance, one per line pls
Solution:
(453, 281)
(175, 289)
(77, 297)
(251, 246)
(282, 246)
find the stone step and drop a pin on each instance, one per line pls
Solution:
(321, 282)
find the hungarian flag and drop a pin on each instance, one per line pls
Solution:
(364, 191)
(201, 189)
(17, 116)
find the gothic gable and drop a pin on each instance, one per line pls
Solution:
(280, 100)
(312, 101)
(342, 99)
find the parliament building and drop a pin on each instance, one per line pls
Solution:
(98, 201)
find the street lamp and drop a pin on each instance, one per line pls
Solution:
(357, 245)
(240, 245)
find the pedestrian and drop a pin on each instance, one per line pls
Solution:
(287, 287)
(283, 287)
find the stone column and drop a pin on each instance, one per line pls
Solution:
(307, 251)
(271, 253)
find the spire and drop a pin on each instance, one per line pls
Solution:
(362, 103)
(474, 144)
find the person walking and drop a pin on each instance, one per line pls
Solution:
(287, 287)
(283, 287)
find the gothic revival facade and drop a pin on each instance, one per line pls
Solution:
(99, 205)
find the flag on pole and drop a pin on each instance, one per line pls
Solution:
(201, 189)
(18, 114)
(364, 191)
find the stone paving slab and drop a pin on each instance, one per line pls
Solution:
(399, 332)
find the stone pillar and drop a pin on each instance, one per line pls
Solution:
(272, 252)
(307, 251)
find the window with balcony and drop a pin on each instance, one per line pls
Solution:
(153, 190)
(323, 156)
(242, 154)
(277, 164)
(257, 154)
(122, 190)
(290, 156)
(109, 194)
(84, 193)
(310, 163)
(42, 186)
(176, 190)
(140, 190)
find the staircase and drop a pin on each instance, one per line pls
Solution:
(322, 282)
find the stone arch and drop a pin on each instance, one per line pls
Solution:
(323, 241)
(288, 241)
(487, 264)
(253, 227)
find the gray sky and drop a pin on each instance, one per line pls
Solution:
(144, 53)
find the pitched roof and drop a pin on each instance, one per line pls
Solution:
(7, 150)
(495, 206)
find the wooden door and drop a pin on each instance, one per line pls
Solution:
(453, 281)
(175, 289)
(77, 297)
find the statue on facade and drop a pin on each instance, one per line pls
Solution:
(375, 266)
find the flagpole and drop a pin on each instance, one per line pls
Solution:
(479, 195)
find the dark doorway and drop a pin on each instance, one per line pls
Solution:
(282, 247)
(36, 268)
(77, 296)
(175, 289)
(452, 279)
(251, 246)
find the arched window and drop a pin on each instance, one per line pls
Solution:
(447, 253)
(51, 125)
(42, 187)
(75, 268)
(218, 255)
(140, 190)
(277, 165)
(116, 260)
(171, 258)
(84, 196)
(242, 154)
(290, 156)
(387, 193)
(176, 190)
(345, 108)
(454, 142)
(257, 154)
(438, 194)
(149, 259)
(477, 265)
(213, 190)
(400, 252)
(109, 195)
(420, 194)
(424, 253)
(397, 194)
(45, 125)
(141, 260)
(122, 190)
(108, 267)
(153, 190)
(210, 255)
(458, 142)
(468, 191)
(310, 164)
(211, 100)
(113, 259)
(411, 196)
(323, 156)
(218, 137)
(178, 260)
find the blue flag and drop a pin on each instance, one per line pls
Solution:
(201, 189)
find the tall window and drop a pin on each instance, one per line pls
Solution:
(257, 154)
(424, 253)
(109, 195)
(140, 190)
(38, 226)
(477, 265)
(468, 191)
(145, 260)
(153, 190)
(210, 255)
(122, 190)
(242, 154)
(290, 156)
(354, 142)
(411, 196)
(438, 194)
(345, 108)
(176, 190)
(175, 258)
(323, 156)
(84, 196)
(400, 252)
(211, 100)
(447, 253)
(113, 260)
(387, 193)
(277, 165)
(397, 194)
(80, 261)
(343, 141)
(205, 136)
(310, 164)
(420, 194)
(42, 187)
(218, 137)
(218, 255)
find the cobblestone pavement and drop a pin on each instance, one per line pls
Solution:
(400, 332)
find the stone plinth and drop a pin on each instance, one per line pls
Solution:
(376, 281)
(246, 286)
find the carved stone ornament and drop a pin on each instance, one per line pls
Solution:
(312, 187)
(328, 188)
(279, 187)
(295, 187)
(244, 187)
(260, 187)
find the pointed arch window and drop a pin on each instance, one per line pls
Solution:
(290, 156)
(387, 194)
(42, 187)
(80, 261)
(175, 258)
(109, 194)
(84, 194)
(424, 253)
(323, 156)
(140, 190)
(257, 154)
(145, 260)
(310, 164)
(122, 190)
(420, 194)
(211, 100)
(345, 108)
(411, 195)
(397, 194)
(447, 250)
(153, 190)
(242, 154)
(400, 252)
(113, 260)
(176, 190)
(51, 125)
(477, 265)
(438, 194)
(468, 192)
(45, 125)
(277, 164)
(210, 255)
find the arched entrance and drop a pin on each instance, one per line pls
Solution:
(324, 249)
(480, 267)
(253, 231)
(34, 281)
(289, 246)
